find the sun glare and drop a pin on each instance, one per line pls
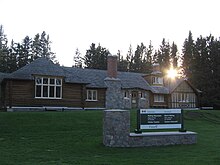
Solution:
(172, 73)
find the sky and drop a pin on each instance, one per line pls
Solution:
(115, 24)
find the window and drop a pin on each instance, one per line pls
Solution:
(157, 80)
(159, 98)
(48, 87)
(126, 94)
(91, 95)
(142, 95)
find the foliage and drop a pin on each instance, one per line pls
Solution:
(162, 56)
(202, 67)
(200, 59)
(77, 59)
(123, 64)
(174, 56)
(18, 54)
(96, 57)
(140, 61)
(3, 50)
(48, 138)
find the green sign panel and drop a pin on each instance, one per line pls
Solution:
(160, 118)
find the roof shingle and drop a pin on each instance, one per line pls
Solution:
(94, 78)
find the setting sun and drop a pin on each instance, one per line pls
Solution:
(172, 73)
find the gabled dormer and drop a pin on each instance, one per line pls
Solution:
(155, 78)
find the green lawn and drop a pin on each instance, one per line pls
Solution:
(44, 138)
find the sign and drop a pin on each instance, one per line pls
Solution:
(160, 118)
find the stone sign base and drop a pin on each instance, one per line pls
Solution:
(116, 133)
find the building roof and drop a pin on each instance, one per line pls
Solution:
(160, 89)
(2, 76)
(41, 66)
(175, 83)
(96, 78)
(93, 78)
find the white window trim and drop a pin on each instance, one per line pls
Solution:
(143, 95)
(96, 95)
(48, 85)
(157, 80)
(126, 95)
(159, 98)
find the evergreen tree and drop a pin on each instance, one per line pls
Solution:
(122, 64)
(96, 57)
(137, 64)
(201, 68)
(129, 58)
(36, 48)
(214, 47)
(23, 52)
(149, 53)
(164, 58)
(173, 55)
(77, 59)
(26, 48)
(3, 50)
(156, 56)
(148, 59)
(12, 59)
(46, 47)
(188, 55)
(41, 47)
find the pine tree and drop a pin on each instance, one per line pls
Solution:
(188, 55)
(77, 59)
(41, 47)
(26, 46)
(46, 47)
(122, 64)
(12, 58)
(3, 50)
(148, 59)
(149, 52)
(36, 48)
(129, 58)
(164, 59)
(23, 52)
(96, 57)
(137, 64)
(173, 55)
(162, 56)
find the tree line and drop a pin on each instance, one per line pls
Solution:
(15, 55)
(199, 59)
(201, 65)
(139, 60)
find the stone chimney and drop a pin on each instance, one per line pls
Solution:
(112, 66)
(114, 94)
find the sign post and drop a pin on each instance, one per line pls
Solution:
(182, 129)
(138, 130)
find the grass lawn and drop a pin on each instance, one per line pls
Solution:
(61, 138)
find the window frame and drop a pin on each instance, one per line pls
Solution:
(159, 98)
(45, 85)
(126, 94)
(157, 80)
(92, 95)
(143, 95)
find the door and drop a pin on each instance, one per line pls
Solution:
(134, 99)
